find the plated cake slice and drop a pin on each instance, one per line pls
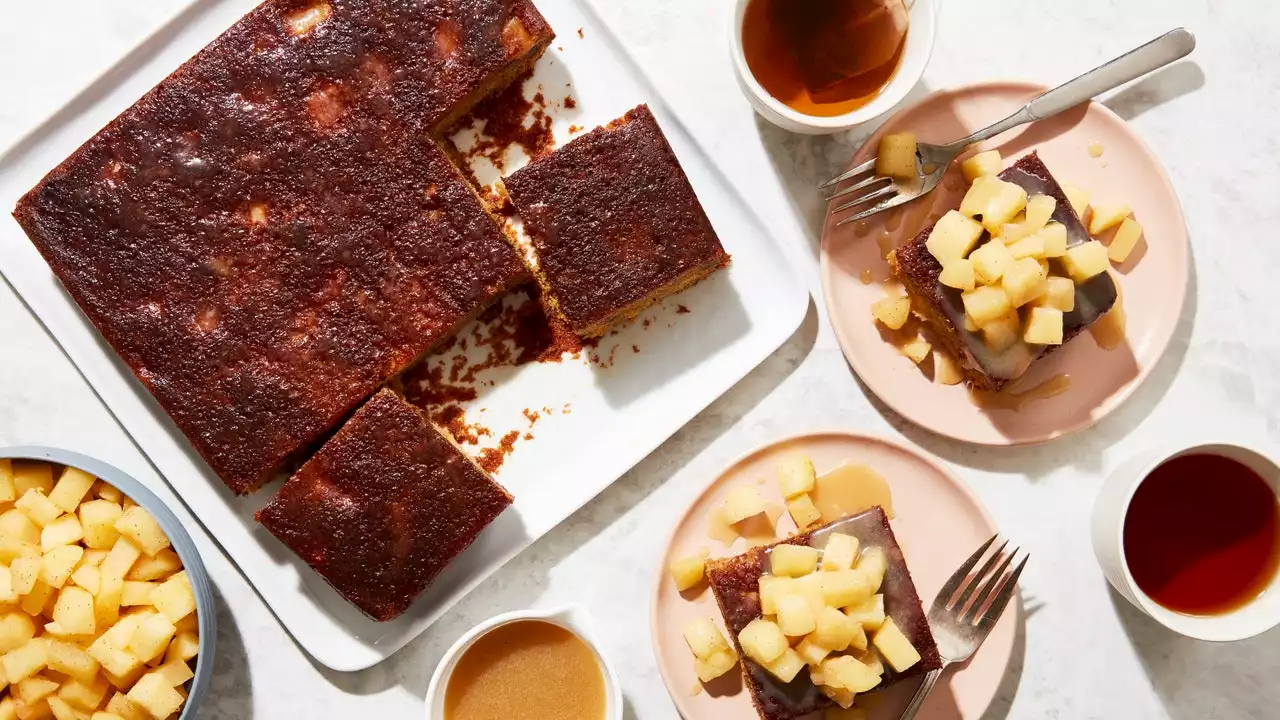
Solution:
(736, 583)
(614, 223)
(994, 353)
(271, 233)
(384, 506)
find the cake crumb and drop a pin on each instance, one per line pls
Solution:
(491, 459)
(575, 129)
(635, 349)
(580, 35)
(682, 310)
(503, 117)
(569, 102)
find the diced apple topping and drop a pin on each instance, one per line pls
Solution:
(741, 503)
(984, 163)
(893, 312)
(796, 474)
(896, 156)
(894, 647)
(710, 668)
(1086, 260)
(952, 237)
(1028, 247)
(1053, 238)
(795, 615)
(1078, 198)
(803, 511)
(840, 552)
(843, 588)
(1025, 281)
(1107, 216)
(704, 638)
(1061, 295)
(1039, 209)
(847, 673)
(869, 613)
(1008, 200)
(990, 261)
(786, 666)
(1125, 240)
(946, 370)
(811, 652)
(793, 560)
(986, 304)
(1044, 326)
(958, 274)
(874, 564)
(979, 195)
(762, 641)
(835, 631)
(771, 588)
(969, 324)
(917, 349)
(688, 571)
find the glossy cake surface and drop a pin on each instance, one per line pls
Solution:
(271, 233)
(384, 506)
(614, 222)
(943, 309)
(735, 582)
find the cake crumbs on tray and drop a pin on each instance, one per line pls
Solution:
(580, 35)
(492, 458)
(682, 310)
(570, 103)
(503, 116)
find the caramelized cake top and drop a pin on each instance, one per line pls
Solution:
(613, 219)
(384, 506)
(735, 582)
(270, 232)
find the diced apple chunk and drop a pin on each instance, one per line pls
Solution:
(1061, 295)
(1009, 200)
(1078, 198)
(1086, 260)
(24, 573)
(686, 571)
(1039, 209)
(15, 630)
(952, 237)
(153, 693)
(896, 156)
(811, 652)
(916, 349)
(8, 493)
(32, 475)
(762, 641)
(71, 488)
(69, 659)
(123, 554)
(25, 661)
(795, 616)
(771, 588)
(74, 611)
(979, 195)
(946, 370)
(1025, 281)
(894, 647)
(718, 664)
(834, 630)
(1028, 247)
(874, 563)
(98, 518)
(32, 689)
(869, 613)
(138, 525)
(1053, 238)
(1106, 217)
(958, 274)
(57, 564)
(981, 164)
(704, 638)
(186, 645)
(840, 552)
(795, 476)
(803, 511)
(159, 566)
(793, 560)
(986, 304)
(17, 529)
(786, 666)
(1125, 240)
(841, 697)
(63, 531)
(892, 311)
(990, 261)
(846, 672)
(1044, 326)
(175, 671)
(38, 507)
(741, 503)
(841, 588)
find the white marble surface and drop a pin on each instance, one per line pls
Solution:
(1083, 654)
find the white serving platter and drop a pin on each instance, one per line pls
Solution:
(603, 420)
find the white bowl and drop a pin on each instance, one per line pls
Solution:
(1109, 513)
(921, 33)
(570, 617)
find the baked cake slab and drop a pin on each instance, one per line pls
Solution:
(614, 223)
(384, 506)
(271, 233)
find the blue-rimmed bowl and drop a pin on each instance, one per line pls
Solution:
(206, 617)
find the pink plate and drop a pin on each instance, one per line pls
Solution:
(1153, 281)
(939, 522)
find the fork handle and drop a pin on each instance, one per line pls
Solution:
(1173, 45)
(917, 700)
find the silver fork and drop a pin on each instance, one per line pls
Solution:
(932, 160)
(960, 618)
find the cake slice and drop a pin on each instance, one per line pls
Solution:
(384, 506)
(942, 309)
(614, 223)
(735, 582)
(271, 232)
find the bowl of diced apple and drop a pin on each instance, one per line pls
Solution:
(106, 612)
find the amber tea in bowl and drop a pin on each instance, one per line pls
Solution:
(1191, 536)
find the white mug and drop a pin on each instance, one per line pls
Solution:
(1111, 508)
(573, 618)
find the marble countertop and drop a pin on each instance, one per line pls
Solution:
(1083, 652)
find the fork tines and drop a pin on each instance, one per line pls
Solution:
(979, 598)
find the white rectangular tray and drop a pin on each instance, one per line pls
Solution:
(604, 420)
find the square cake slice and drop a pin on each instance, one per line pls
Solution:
(942, 308)
(384, 506)
(614, 222)
(271, 233)
(735, 582)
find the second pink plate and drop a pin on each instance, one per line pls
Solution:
(938, 523)
(1153, 282)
